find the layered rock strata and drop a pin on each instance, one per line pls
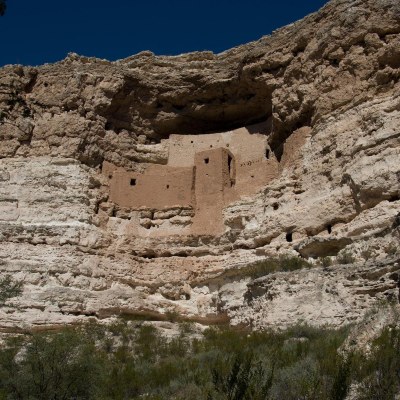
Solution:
(326, 92)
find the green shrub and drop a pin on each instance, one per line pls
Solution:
(271, 265)
(173, 316)
(239, 377)
(325, 262)
(382, 378)
(129, 361)
(50, 366)
(341, 378)
(345, 257)
(9, 288)
(300, 380)
(367, 253)
(391, 249)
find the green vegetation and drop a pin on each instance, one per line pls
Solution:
(345, 257)
(9, 288)
(325, 262)
(131, 361)
(392, 249)
(382, 369)
(271, 265)
(367, 253)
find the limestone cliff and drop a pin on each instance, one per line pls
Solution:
(319, 100)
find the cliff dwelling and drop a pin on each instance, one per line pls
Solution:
(204, 174)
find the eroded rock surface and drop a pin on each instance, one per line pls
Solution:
(326, 90)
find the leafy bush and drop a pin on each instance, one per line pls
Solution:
(300, 380)
(132, 361)
(345, 257)
(391, 249)
(54, 366)
(367, 253)
(239, 377)
(271, 265)
(341, 378)
(325, 262)
(9, 288)
(382, 370)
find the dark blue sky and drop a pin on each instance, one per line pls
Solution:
(38, 31)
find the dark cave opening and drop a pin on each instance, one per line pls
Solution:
(189, 124)
(283, 129)
(211, 108)
(394, 198)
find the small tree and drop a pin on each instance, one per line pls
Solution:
(241, 379)
(326, 262)
(342, 379)
(50, 366)
(345, 257)
(9, 288)
(383, 380)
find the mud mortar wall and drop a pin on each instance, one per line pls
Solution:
(158, 188)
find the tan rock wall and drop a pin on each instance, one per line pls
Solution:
(328, 87)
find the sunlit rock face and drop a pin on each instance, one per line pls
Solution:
(143, 186)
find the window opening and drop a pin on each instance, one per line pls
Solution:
(133, 182)
(289, 237)
(206, 160)
(229, 164)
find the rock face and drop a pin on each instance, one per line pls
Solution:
(108, 205)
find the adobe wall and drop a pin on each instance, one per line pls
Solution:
(249, 144)
(255, 163)
(159, 187)
(204, 174)
(251, 176)
(108, 169)
(214, 174)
